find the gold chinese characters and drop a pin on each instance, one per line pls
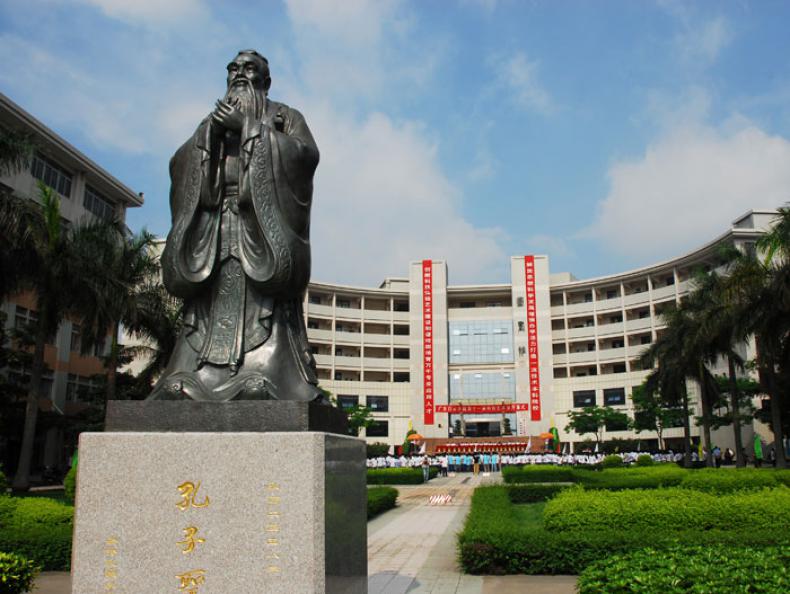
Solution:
(188, 491)
(110, 564)
(271, 526)
(190, 581)
(190, 540)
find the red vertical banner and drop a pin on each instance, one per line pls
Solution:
(532, 338)
(427, 341)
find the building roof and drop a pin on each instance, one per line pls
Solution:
(14, 117)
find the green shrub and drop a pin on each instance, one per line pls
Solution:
(380, 499)
(615, 479)
(782, 476)
(534, 473)
(16, 574)
(3, 483)
(533, 493)
(398, 476)
(644, 460)
(37, 528)
(690, 569)
(669, 510)
(612, 461)
(716, 480)
(70, 483)
(496, 540)
(374, 450)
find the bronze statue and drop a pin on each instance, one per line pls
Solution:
(238, 252)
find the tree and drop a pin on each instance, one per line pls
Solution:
(651, 413)
(594, 419)
(39, 254)
(667, 380)
(359, 417)
(16, 150)
(119, 270)
(157, 323)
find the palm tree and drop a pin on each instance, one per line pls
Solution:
(670, 370)
(158, 323)
(762, 287)
(118, 270)
(38, 252)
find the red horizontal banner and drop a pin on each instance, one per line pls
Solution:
(481, 409)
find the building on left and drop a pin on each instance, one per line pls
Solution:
(86, 190)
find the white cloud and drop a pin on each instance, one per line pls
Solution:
(354, 22)
(520, 76)
(702, 42)
(688, 186)
(149, 11)
(548, 244)
(382, 200)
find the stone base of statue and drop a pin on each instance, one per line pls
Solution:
(220, 512)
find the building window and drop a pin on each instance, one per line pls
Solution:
(378, 429)
(618, 344)
(519, 302)
(378, 403)
(21, 377)
(79, 387)
(346, 401)
(583, 398)
(617, 425)
(614, 396)
(521, 326)
(24, 318)
(401, 306)
(481, 341)
(51, 174)
(484, 385)
(400, 376)
(100, 347)
(97, 204)
(467, 304)
(314, 299)
(76, 338)
(612, 294)
(646, 340)
(344, 303)
(618, 368)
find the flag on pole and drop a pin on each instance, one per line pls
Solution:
(529, 444)
(565, 449)
(422, 449)
(556, 436)
(596, 447)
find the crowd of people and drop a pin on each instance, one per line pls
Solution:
(493, 462)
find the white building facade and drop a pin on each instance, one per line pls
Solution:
(439, 357)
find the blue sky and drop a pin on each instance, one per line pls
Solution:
(607, 134)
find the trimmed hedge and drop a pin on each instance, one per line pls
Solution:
(70, 484)
(683, 569)
(37, 528)
(16, 574)
(667, 510)
(380, 499)
(612, 461)
(538, 474)
(644, 460)
(398, 476)
(533, 493)
(615, 479)
(713, 480)
(494, 540)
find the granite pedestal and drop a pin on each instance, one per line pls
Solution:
(220, 513)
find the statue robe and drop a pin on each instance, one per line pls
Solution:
(241, 262)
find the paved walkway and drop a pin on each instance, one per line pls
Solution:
(411, 549)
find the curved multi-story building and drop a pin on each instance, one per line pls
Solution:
(417, 350)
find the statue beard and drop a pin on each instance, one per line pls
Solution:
(246, 98)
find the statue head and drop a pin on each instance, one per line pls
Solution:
(249, 69)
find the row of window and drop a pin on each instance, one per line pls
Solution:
(60, 180)
(611, 397)
(483, 341)
(374, 403)
(483, 385)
